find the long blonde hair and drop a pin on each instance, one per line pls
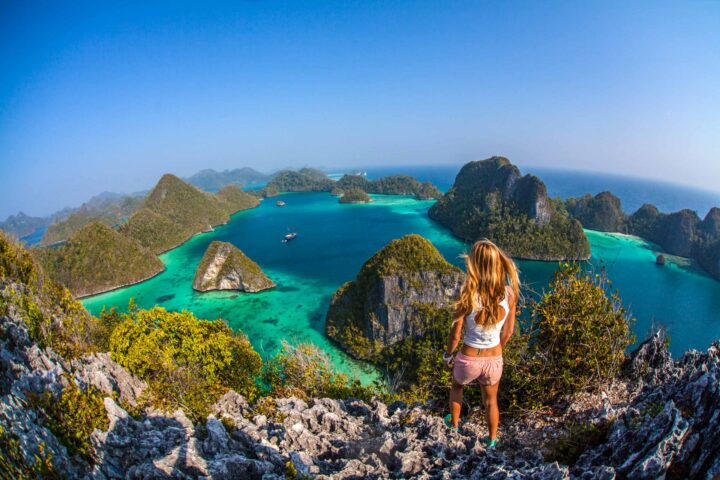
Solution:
(489, 272)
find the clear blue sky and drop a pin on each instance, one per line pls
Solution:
(108, 98)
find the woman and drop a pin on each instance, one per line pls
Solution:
(486, 308)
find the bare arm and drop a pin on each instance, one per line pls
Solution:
(509, 326)
(455, 333)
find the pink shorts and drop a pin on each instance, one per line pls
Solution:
(487, 370)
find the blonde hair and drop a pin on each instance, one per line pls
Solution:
(489, 272)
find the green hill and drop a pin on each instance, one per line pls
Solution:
(96, 259)
(174, 211)
(490, 198)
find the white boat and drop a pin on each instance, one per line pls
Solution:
(289, 237)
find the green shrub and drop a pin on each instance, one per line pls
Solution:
(305, 371)
(576, 340)
(73, 416)
(188, 363)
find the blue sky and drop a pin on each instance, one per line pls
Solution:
(109, 97)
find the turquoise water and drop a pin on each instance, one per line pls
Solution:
(335, 240)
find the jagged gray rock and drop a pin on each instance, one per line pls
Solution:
(668, 426)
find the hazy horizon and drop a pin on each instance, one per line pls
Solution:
(108, 98)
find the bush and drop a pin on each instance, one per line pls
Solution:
(73, 416)
(305, 371)
(188, 363)
(577, 339)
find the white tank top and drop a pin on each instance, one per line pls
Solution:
(484, 337)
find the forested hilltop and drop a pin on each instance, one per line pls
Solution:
(98, 258)
(491, 199)
(681, 233)
(127, 395)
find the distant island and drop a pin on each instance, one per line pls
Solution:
(490, 198)
(355, 195)
(98, 257)
(108, 208)
(680, 233)
(313, 180)
(390, 185)
(226, 267)
(211, 180)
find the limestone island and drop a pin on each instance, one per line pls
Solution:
(491, 199)
(355, 195)
(225, 267)
(398, 293)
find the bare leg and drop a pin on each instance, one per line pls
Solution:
(492, 412)
(456, 395)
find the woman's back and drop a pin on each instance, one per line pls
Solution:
(485, 336)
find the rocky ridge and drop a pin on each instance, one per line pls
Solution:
(225, 267)
(665, 424)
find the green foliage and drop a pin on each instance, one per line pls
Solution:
(73, 416)
(355, 195)
(188, 363)
(305, 371)
(409, 254)
(413, 368)
(154, 231)
(579, 437)
(14, 465)
(576, 341)
(54, 318)
(98, 258)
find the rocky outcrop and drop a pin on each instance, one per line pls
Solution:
(225, 267)
(490, 198)
(666, 425)
(601, 212)
(396, 293)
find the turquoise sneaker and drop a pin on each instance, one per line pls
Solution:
(490, 443)
(448, 422)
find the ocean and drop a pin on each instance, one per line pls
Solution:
(334, 240)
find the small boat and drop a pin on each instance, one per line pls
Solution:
(289, 236)
(280, 203)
